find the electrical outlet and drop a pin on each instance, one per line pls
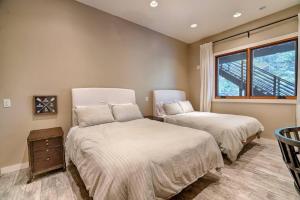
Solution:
(6, 103)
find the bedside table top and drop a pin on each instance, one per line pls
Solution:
(154, 118)
(45, 134)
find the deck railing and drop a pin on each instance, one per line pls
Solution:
(264, 83)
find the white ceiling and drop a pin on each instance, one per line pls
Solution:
(174, 17)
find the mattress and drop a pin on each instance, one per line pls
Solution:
(140, 159)
(228, 130)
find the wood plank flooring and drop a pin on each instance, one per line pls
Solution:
(259, 174)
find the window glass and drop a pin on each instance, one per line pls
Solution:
(274, 70)
(232, 74)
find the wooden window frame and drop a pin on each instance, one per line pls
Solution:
(216, 75)
(249, 72)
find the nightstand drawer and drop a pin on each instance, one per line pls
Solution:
(46, 159)
(47, 143)
(48, 151)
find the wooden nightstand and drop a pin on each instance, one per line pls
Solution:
(160, 119)
(46, 151)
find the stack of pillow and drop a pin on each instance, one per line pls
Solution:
(177, 107)
(106, 113)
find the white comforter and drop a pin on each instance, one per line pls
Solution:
(141, 159)
(228, 130)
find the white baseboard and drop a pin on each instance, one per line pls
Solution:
(12, 168)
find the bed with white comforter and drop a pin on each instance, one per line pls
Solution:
(140, 159)
(228, 130)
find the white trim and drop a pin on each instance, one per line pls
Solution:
(12, 168)
(275, 39)
(264, 101)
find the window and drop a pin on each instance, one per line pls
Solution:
(231, 74)
(274, 70)
(268, 71)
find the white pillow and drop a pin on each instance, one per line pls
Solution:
(93, 115)
(172, 108)
(126, 112)
(186, 106)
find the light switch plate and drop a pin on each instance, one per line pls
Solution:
(6, 103)
(146, 98)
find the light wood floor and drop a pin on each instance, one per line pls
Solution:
(258, 174)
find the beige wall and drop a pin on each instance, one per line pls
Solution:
(271, 115)
(50, 46)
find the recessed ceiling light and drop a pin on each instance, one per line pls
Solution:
(193, 25)
(237, 14)
(153, 4)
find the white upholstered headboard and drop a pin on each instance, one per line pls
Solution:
(95, 96)
(166, 96)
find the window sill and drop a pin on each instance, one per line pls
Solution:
(267, 101)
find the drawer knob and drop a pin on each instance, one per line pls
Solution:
(48, 159)
(46, 140)
(47, 150)
(47, 144)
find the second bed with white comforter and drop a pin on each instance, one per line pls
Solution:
(228, 130)
(141, 159)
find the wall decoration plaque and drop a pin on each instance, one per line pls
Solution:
(45, 105)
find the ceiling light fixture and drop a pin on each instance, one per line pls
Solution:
(154, 4)
(193, 25)
(237, 14)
